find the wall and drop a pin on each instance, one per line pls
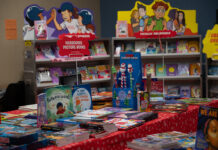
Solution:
(206, 12)
(11, 51)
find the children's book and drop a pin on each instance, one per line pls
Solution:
(48, 52)
(58, 102)
(40, 29)
(171, 48)
(115, 109)
(92, 72)
(99, 49)
(125, 124)
(84, 73)
(121, 29)
(140, 47)
(21, 122)
(161, 48)
(183, 69)
(168, 135)
(93, 113)
(149, 69)
(195, 69)
(142, 101)
(173, 90)
(55, 74)
(182, 46)
(160, 70)
(185, 91)
(130, 46)
(172, 69)
(103, 71)
(156, 87)
(193, 47)
(206, 137)
(150, 48)
(195, 91)
(212, 70)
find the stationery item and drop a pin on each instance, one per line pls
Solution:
(193, 46)
(160, 70)
(171, 47)
(195, 69)
(150, 48)
(40, 29)
(195, 91)
(185, 91)
(183, 69)
(122, 29)
(55, 74)
(172, 69)
(149, 69)
(140, 47)
(182, 46)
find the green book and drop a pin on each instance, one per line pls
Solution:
(160, 70)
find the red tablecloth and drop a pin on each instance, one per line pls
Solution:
(184, 122)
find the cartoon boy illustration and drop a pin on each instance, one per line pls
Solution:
(85, 19)
(157, 22)
(60, 108)
(142, 14)
(67, 11)
(211, 133)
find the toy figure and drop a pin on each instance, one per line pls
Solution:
(181, 23)
(123, 75)
(67, 11)
(85, 22)
(130, 71)
(114, 72)
(157, 22)
(60, 108)
(142, 14)
(135, 20)
(172, 24)
(211, 134)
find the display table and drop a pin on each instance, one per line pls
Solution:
(184, 122)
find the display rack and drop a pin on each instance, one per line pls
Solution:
(31, 65)
(165, 58)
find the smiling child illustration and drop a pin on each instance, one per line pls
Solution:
(211, 134)
(60, 108)
(85, 19)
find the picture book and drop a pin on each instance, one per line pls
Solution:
(55, 74)
(142, 101)
(92, 51)
(212, 70)
(195, 91)
(125, 124)
(115, 109)
(188, 142)
(160, 70)
(47, 52)
(92, 72)
(150, 48)
(21, 122)
(196, 101)
(81, 98)
(119, 47)
(156, 86)
(161, 48)
(195, 69)
(84, 73)
(182, 46)
(59, 126)
(171, 47)
(41, 112)
(193, 47)
(173, 90)
(183, 69)
(99, 48)
(172, 69)
(149, 68)
(93, 113)
(206, 137)
(121, 29)
(103, 71)
(58, 102)
(185, 91)
(40, 29)
(130, 46)
(140, 47)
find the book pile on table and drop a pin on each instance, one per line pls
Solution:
(168, 140)
(173, 108)
(196, 101)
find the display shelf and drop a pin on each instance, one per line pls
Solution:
(46, 85)
(97, 80)
(212, 77)
(176, 77)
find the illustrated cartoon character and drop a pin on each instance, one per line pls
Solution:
(157, 22)
(142, 14)
(130, 71)
(78, 105)
(60, 108)
(85, 20)
(123, 75)
(129, 95)
(172, 24)
(211, 133)
(67, 11)
(135, 21)
(181, 23)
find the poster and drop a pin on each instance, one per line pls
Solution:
(10, 29)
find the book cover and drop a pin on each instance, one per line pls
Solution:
(84, 73)
(55, 74)
(93, 113)
(100, 49)
(122, 29)
(21, 122)
(160, 70)
(171, 48)
(92, 72)
(140, 47)
(193, 47)
(183, 69)
(172, 69)
(130, 46)
(119, 47)
(206, 137)
(195, 91)
(58, 102)
(212, 70)
(103, 71)
(173, 90)
(40, 29)
(150, 48)
(41, 111)
(149, 68)
(182, 46)
(156, 86)
(124, 124)
(142, 101)
(195, 69)
(185, 91)
(161, 48)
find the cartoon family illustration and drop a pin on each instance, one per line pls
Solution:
(72, 20)
(141, 22)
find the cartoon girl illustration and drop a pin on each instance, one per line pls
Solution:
(211, 134)
(85, 20)
(67, 11)
(181, 23)
(135, 21)
(172, 24)
(157, 22)
(60, 108)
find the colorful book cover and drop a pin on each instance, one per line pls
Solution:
(195, 91)
(212, 70)
(100, 49)
(206, 137)
(58, 102)
(160, 70)
(156, 86)
(161, 48)
(149, 69)
(124, 124)
(93, 113)
(84, 73)
(55, 74)
(140, 47)
(40, 29)
(195, 69)
(188, 142)
(171, 47)
(182, 46)
(183, 69)
(185, 91)
(115, 109)
(121, 29)
(193, 47)
(172, 69)
(21, 122)
(150, 48)
(168, 135)
(103, 71)
(92, 72)
(173, 90)
(82, 98)
(48, 52)
(142, 101)
(41, 111)
(130, 46)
